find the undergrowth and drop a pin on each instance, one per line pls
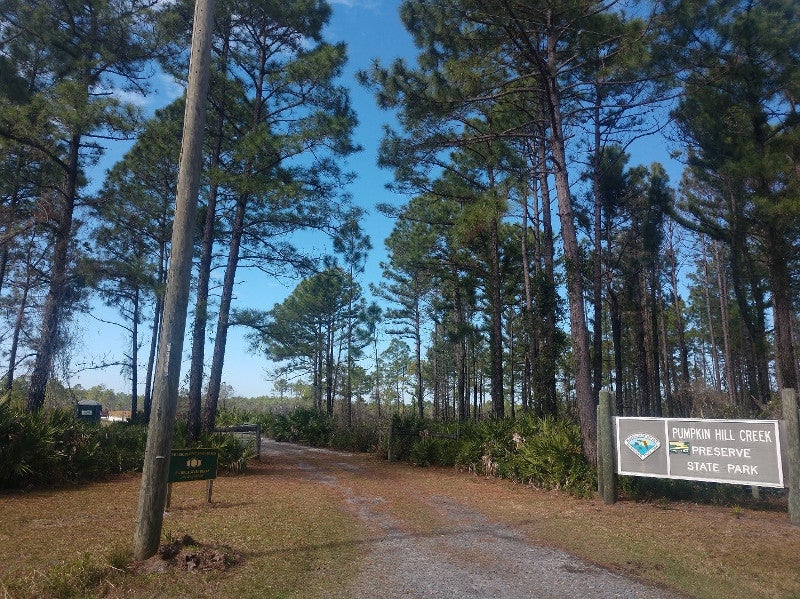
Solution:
(543, 452)
(53, 447)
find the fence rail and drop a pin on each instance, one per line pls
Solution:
(243, 431)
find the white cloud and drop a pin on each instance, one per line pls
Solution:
(362, 4)
(168, 88)
(130, 97)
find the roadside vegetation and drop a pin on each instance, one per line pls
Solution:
(53, 448)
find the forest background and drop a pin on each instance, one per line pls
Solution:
(533, 259)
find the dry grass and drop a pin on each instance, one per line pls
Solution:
(294, 536)
(300, 537)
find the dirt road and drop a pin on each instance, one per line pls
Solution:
(425, 541)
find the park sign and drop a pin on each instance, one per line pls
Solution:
(746, 452)
(193, 464)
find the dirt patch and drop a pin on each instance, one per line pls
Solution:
(457, 551)
(189, 555)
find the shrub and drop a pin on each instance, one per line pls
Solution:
(302, 425)
(53, 447)
(356, 438)
(27, 448)
(233, 452)
(122, 446)
(434, 451)
(552, 458)
(404, 433)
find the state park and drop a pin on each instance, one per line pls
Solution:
(438, 232)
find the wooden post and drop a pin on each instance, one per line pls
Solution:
(606, 480)
(153, 491)
(389, 441)
(790, 416)
(209, 490)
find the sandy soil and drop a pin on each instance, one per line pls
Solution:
(448, 549)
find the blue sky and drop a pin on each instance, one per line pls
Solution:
(371, 29)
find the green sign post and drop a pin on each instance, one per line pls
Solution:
(192, 464)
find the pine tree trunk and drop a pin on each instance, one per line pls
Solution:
(616, 336)
(752, 309)
(654, 347)
(532, 349)
(643, 387)
(727, 350)
(329, 384)
(783, 311)
(194, 424)
(496, 333)
(201, 317)
(666, 364)
(135, 353)
(587, 415)
(418, 358)
(18, 322)
(54, 302)
(223, 319)
(545, 374)
(680, 327)
(712, 336)
(462, 389)
(597, 275)
(158, 313)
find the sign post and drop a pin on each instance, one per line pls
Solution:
(790, 416)
(606, 483)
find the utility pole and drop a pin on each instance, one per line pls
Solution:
(153, 491)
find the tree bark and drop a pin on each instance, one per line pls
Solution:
(152, 495)
(496, 334)
(418, 358)
(532, 349)
(204, 267)
(722, 287)
(587, 414)
(18, 322)
(54, 302)
(545, 377)
(784, 315)
(616, 336)
(223, 319)
(135, 352)
(158, 313)
(597, 275)
(712, 336)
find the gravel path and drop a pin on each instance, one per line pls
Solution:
(465, 556)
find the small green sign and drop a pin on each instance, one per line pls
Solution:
(680, 447)
(193, 464)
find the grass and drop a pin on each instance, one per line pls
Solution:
(300, 538)
(296, 540)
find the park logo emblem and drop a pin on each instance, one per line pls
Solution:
(642, 444)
